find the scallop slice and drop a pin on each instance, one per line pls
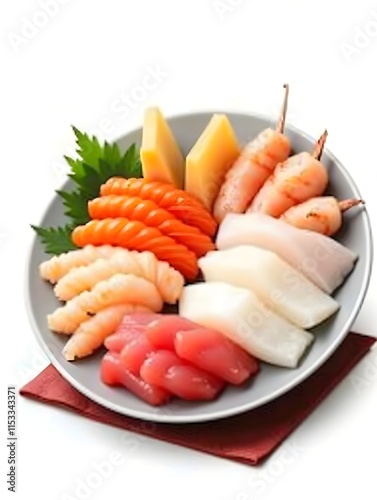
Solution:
(286, 291)
(243, 318)
(324, 261)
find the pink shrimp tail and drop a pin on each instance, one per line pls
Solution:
(347, 204)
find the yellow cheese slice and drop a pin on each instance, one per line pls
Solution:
(160, 155)
(210, 158)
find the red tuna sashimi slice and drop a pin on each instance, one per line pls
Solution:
(161, 332)
(211, 351)
(117, 341)
(130, 327)
(137, 320)
(135, 352)
(167, 370)
(114, 373)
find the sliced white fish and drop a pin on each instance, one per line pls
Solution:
(243, 318)
(286, 291)
(324, 261)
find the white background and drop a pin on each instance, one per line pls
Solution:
(233, 55)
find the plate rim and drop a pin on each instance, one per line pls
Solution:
(159, 416)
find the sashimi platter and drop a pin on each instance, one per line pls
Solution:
(200, 266)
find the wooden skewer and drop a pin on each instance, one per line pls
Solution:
(347, 204)
(318, 149)
(283, 114)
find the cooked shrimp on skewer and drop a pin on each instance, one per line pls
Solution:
(143, 264)
(119, 289)
(298, 179)
(91, 334)
(255, 164)
(321, 214)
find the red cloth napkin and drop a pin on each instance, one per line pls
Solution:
(246, 438)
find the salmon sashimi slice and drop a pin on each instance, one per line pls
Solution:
(135, 235)
(166, 196)
(162, 331)
(114, 373)
(165, 369)
(211, 351)
(148, 212)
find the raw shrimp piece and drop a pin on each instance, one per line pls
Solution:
(165, 196)
(67, 319)
(131, 326)
(92, 333)
(148, 212)
(119, 289)
(58, 266)
(239, 315)
(213, 352)
(161, 332)
(282, 288)
(324, 261)
(322, 214)
(135, 352)
(168, 281)
(135, 235)
(167, 370)
(297, 179)
(114, 373)
(256, 163)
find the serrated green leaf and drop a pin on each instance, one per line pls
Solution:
(75, 165)
(130, 164)
(76, 206)
(56, 240)
(90, 185)
(89, 148)
(95, 165)
(112, 154)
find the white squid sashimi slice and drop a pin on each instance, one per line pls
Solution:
(321, 259)
(283, 289)
(243, 318)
